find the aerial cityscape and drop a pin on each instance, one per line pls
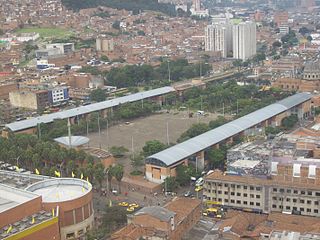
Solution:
(160, 119)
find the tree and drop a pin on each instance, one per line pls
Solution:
(193, 131)
(104, 58)
(118, 151)
(309, 38)
(114, 217)
(98, 95)
(289, 122)
(117, 172)
(183, 175)
(152, 147)
(217, 122)
(304, 31)
(137, 161)
(276, 44)
(170, 184)
(216, 157)
(116, 25)
(99, 173)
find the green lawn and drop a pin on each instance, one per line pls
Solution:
(47, 32)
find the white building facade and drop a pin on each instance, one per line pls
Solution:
(218, 38)
(244, 40)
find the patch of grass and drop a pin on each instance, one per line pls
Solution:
(136, 173)
(47, 32)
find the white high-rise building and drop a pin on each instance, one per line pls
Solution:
(244, 40)
(218, 38)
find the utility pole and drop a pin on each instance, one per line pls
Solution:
(168, 142)
(107, 134)
(237, 107)
(201, 103)
(69, 132)
(169, 73)
(39, 131)
(132, 149)
(99, 130)
(87, 129)
(223, 108)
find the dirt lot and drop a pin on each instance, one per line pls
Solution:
(141, 130)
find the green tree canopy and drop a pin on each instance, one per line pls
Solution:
(195, 130)
(152, 147)
(98, 95)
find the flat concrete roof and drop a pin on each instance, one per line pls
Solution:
(60, 189)
(11, 197)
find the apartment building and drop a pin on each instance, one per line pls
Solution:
(298, 194)
(244, 40)
(218, 38)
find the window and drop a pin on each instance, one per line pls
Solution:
(226, 185)
(274, 206)
(287, 207)
(303, 192)
(316, 202)
(245, 202)
(288, 199)
(281, 190)
(309, 193)
(318, 194)
(288, 190)
(245, 195)
(232, 201)
(280, 206)
(238, 186)
(226, 200)
(252, 195)
(301, 201)
(308, 201)
(219, 199)
(232, 193)
(232, 185)
(238, 194)
(245, 187)
(294, 208)
(302, 209)
(308, 210)
(258, 188)
(226, 193)
(294, 200)
(315, 210)
(238, 202)
(70, 235)
(274, 198)
(219, 192)
(251, 188)
(295, 191)
(257, 196)
(257, 204)
(274, 190)
(251, 203)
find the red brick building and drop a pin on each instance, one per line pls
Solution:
(169, 222)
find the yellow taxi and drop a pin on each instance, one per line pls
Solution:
(123, 204)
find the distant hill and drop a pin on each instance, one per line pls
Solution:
(130, 5)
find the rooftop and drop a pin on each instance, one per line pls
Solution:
(60, 189)
(217, 175)
(73, 141)
(158, 212)
(33, 122)
(11, 197)
(185, 149)
(25, 223)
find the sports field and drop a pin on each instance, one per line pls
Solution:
(47, 32)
